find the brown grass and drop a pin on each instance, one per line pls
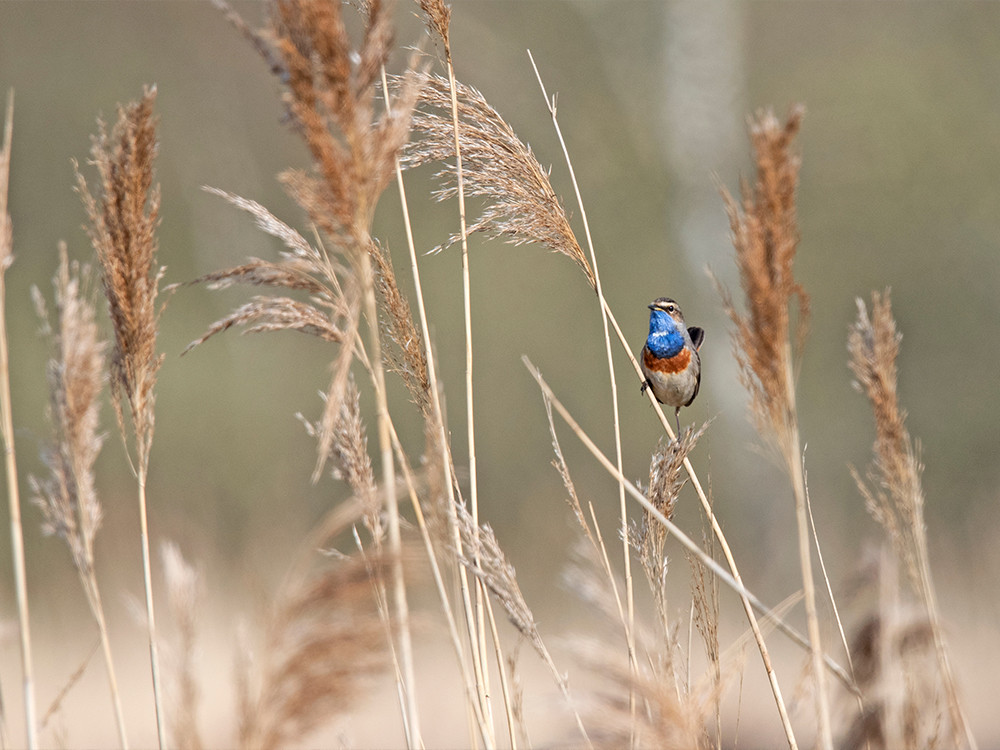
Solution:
(330, 95)
(893, 491)
(521, 206)
(337, 621)
(666, 480)
(76, 373)
(67, 498)
(767, 340)
(324, 641)
(123, 219)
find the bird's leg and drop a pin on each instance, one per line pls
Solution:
(647, 383)
(677, 421)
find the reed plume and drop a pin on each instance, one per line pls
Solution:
(521, 206)
(407, 355)
(352, 462)
(331, 312)
(123, 219)
(67, 498)
(648, 536)
(324, 641)
(767, 340)
(892, 488)
(331, 102)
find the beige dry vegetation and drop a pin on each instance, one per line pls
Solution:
(339, 621)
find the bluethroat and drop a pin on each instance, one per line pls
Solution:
(670, 359)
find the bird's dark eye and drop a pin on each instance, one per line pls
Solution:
(670, 308)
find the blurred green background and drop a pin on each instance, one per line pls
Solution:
(899, 188)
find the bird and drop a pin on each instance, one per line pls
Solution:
(670, 359)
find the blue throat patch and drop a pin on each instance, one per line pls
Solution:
(665, 338)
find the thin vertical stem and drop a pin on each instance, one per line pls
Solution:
(794, 460)
(442, 435)
(147, 577)
(16, 533)
(479, 637)
(442, 593)
(10, 457)
(392, 512)
(102, 625)
(602, 304)
(504, 684)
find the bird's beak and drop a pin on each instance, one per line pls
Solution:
(651, 306)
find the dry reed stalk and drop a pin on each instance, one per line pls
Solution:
(352, 463)
(330, 96)
(767, 343)
(184, 595)
(613, 383)
(10, 456)
(438, 18)
(730, 580)
(485, 729)
(483, 556)
(123, 218)
(420, 375)
(829, 587)
(67, 687)
(893, 490)
(67, 498)
(407, 679)
(592, 534)
(323, 643)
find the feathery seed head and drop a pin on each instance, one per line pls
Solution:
(123, 216)
(521, 206)
(765, 236)
(67, 498)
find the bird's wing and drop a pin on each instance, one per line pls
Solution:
(697, 336)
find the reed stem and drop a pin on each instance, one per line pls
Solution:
(392, 512)
(147, 578)
(10, 456)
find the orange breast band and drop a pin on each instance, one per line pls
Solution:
(667, 365)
